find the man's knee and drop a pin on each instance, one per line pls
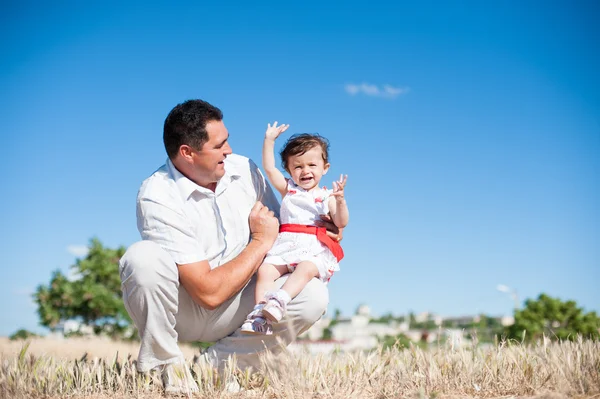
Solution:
(146, 263)
(314, 300)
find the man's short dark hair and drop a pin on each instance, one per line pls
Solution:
(186, 124)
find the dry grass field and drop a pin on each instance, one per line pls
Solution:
(49, 369)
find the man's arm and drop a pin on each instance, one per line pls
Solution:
(170, 228)
(210, 288)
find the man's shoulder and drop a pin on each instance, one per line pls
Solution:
(158, 183)
(240, 165)
(238, 160)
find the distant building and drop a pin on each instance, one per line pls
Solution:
(460, 320)
(424, 317)
(349, 334)
(360, 332)
(315, 333)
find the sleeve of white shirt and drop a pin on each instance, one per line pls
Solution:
(264, 192)
(169, 228)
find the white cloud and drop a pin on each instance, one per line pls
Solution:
(503, 288)
(395, 91)
(78, 250)
(386, 91)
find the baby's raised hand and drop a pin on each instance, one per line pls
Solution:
(274, 131)
(338, 188)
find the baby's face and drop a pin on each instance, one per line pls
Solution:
(307, 169)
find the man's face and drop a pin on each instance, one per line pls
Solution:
(209, 166)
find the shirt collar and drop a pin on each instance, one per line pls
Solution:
(187, 187)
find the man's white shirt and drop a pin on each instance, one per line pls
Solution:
(194, 224)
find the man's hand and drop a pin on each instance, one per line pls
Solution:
(210, 288)
(332, 230)
(274, 131)
(264, 226)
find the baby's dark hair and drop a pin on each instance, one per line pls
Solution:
(298, 144)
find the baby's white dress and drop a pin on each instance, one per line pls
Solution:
(303, 207)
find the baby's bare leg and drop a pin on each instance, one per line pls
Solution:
(304, 272)
(265, 279)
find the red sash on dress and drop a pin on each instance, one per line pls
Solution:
(320, 232)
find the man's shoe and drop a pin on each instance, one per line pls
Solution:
(231, 385)
(177, 379)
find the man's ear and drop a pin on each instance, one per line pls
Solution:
(186, 152)
(325, 168)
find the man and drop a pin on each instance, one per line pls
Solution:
(207, 218)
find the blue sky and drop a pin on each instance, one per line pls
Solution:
(478, 165)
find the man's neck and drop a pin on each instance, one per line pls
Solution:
(212, 186)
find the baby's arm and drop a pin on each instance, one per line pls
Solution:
(275, 176)
(337, 203)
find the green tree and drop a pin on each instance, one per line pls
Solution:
(337, 314)
(424, 325)
(399, 341)
(22, 334)
(554, 318)
(411, 319)
(487, 329)
(327, 334)
(385, 319)
(93, 296)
